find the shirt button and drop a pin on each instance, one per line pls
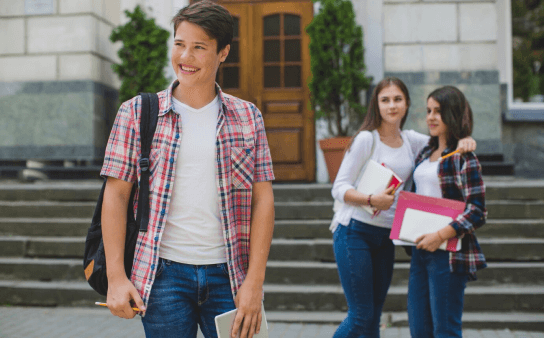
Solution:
(168, 186)
(163, 212)
(172, 160)
(156, 238)
(152, 266)
(177, 135)
(221, 183)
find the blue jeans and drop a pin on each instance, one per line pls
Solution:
(186, 296)
(364, 255)
(435, 296)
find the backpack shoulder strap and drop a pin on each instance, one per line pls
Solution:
(148, 124)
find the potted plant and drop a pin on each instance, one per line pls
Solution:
(338, 76)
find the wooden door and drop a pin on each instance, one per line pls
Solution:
(272, 59)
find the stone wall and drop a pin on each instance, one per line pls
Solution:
(57, 89)
(429, 44)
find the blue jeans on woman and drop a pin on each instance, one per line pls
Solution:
(186, 296)
(364, 255)
(435, 296)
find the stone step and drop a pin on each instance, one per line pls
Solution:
(88, 190)
(474, 320)
(498, 228)
(331, 298)
(510, 298)
(511, 189)
(301, 229)
(278, 272)
(45, 209)
(284, 210)
(58, 227)
(41, 269)
(507, 209)
(68, 191)
(320, 250)
(318, 273)
(43, 247)
(495, 249)
(497, 168)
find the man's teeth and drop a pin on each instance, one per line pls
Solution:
(188, 69)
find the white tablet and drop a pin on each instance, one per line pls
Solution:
(223, 325)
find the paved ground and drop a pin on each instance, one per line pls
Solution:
(21, 322)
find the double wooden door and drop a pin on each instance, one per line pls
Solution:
(269, 65)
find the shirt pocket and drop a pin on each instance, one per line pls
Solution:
(242, 167)
(156, 164)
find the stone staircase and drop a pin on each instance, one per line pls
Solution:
(42, 229)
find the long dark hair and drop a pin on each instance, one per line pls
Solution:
(373, 119)
(456, 114)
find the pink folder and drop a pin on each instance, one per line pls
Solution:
(426, 204)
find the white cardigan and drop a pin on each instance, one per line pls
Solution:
(354, 162)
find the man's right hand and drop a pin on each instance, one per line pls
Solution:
(120, 293)
(383, 200)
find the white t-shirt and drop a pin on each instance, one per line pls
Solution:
(426, 179)
(400, 160)
(193, 232)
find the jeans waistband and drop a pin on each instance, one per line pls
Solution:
(369, 228)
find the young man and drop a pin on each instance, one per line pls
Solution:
(211, 200)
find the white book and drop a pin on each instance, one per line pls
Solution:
(375, 179)
(417, 223)
(224, 322)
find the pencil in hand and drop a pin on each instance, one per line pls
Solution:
(106, 305)
(450, 154)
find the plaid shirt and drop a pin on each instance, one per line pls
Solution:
(460, 179)
(243, 157)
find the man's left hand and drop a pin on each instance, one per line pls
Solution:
(248, 318)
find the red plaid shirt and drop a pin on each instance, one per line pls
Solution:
(243, 157)
(460, 179)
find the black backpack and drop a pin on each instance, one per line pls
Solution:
(94, 259)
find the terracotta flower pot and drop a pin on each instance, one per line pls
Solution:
(333, 149)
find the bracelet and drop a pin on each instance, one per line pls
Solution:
(369, 204)
(441, 239)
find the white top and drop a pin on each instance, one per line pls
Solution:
(400, 160)
(193, 232)
(426, 179)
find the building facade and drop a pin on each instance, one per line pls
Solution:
(58, 94)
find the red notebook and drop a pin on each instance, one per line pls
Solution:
(417, 215)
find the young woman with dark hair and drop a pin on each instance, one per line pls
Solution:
(363, 250)
(438, 278)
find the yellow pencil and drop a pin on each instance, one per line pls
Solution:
(106, 305)
(450, 154)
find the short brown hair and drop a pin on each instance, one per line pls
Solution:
(455, 112)
(213, 18)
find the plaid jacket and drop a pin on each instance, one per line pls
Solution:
(460, 178)
(243, 157)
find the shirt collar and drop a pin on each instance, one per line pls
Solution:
(168, 104)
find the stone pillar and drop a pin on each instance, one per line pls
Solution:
(58, 93)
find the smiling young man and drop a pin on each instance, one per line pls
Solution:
(211, 200)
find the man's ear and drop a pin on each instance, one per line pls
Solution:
(223, 53)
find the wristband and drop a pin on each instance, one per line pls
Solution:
(369, 204)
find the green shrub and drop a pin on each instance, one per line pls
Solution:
(337, 64)
(144, 55)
